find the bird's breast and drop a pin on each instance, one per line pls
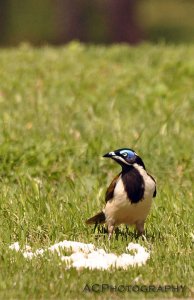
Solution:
(149, 183)
(120, 209)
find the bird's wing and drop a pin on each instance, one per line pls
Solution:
(155, 192)
(110, 190)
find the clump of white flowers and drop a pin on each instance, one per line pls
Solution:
(88, 256)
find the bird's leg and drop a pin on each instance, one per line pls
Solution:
(96, 224)
(140, 228)
(110, 230)
(127, 229)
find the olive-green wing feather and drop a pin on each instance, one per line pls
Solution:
(110, 190)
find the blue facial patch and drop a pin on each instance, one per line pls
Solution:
(127, 153)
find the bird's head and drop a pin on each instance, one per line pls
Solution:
(125, 157)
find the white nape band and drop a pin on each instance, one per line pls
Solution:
(121, 159)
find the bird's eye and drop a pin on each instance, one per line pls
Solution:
(125, 154)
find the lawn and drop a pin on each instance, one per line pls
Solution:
(61, 110)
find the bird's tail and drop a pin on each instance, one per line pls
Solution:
(97, 219)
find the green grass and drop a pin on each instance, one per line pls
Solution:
(61, 110)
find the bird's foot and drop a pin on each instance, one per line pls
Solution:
(110, 231)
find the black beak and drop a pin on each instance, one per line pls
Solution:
(109, 154)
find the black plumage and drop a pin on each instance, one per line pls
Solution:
(133, 183)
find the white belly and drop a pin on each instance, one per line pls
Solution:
(120, 210)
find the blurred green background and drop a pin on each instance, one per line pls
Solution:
(96, 21)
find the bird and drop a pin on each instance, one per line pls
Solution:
(129, 196)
